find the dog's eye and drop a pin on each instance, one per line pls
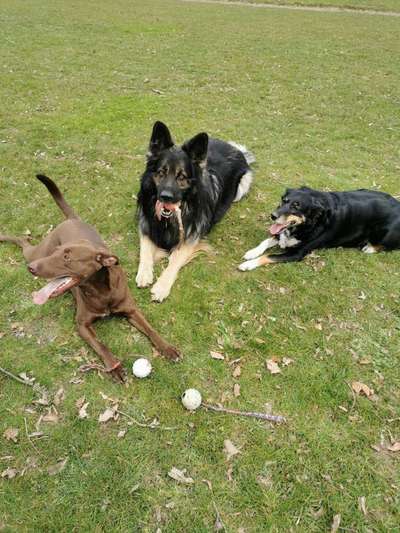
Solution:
(296, 205)
(285, 200)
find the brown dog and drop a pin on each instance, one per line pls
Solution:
(74, 257)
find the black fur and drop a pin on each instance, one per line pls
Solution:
(203, 175)
(331, 219)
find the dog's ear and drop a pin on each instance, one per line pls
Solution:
(160, 139)
(197, 148)
(107, 260)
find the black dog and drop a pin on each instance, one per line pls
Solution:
(309, 219)
(184, 191)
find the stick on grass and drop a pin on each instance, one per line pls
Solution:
(262, 416)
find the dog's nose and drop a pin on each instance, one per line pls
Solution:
(166, 196)
(32, 270)
(274, 215)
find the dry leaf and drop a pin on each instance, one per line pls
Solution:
(179, 475)
(59, 396)
(83, 411)
(236, 371)
(230, 449)
(9, 473)
(134, 488)
(44, 400)
(50, 417)
(273, 366)
(265, 481)
(335, 523)
(236, 390)
(218, 526)
(286, 361)
(318, 513)
(217, 355)
(57, 468)
(361, 388)
(395, 447)
(121, 434)
(11, 434)
(362, 505)
(108, 414)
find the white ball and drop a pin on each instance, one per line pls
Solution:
(141, 368)
(191, 399)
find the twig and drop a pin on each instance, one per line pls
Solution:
(13, 376)
(152, 425)
(29, 439)
(262, 416)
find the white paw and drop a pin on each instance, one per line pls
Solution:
(159, 292)
(248, 265)
(369, 249)
(252, 254)
(144, 277)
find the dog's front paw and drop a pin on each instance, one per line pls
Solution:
(144, 278)
(159, 292)
(252, 254)
(248, 265)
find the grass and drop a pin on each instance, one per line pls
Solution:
(380, 5)
(315, 96)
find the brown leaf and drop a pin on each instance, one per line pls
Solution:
(395, 447)
(121, 434)
(318, 513)
(59, 396)
(286, 361)
(236, 390)
(57, 468)
(335, 523)
(362, 505)
(273, 366)
(179, 475)
(360, 388)
(217, 355)
(11, 434)
(230, 449)
(9, 473)
(236, 371)
(51, 417)
(108, 414)
(82, 413)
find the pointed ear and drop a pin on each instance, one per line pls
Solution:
(107, 260)
(197, 148)
(160, 139)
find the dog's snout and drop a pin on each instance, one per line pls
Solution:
(32, 269)
(274, 215)
(166, 196)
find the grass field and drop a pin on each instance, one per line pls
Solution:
(383, 5)
(315, 97)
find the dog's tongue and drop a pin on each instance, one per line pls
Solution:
(276, 228)
(41, 297)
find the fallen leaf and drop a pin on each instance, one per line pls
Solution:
(236, 390)
(134, 488)
(361, 388)
(218, 526)
(36, 435)
(179, 475)
(51, 417)
(9, 473)
(335, 523)
(273, 366)
(80, 402)
(217, 355)
(11, 434)
(230, 449)
(318, 513)
(259, 341)
(395, 447)
(121, 434)
(82, 413)
(58, 467)
(43, 400)
(265, 481)
(236, 371)
(59, 396)
(286, 361)
(108, 414)
(229, 473)
(362, 505)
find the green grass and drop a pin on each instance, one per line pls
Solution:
(380, 5)
(315, 96)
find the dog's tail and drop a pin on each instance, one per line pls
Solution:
(57, 195)
(247, 178)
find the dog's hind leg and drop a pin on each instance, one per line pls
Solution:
(148, 256)
(260, 249)
(22, 242)
(179, 258)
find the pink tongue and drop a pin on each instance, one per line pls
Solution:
(276, 228)
(41, 297)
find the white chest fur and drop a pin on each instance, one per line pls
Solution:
(286, 241)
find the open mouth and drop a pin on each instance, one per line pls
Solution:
(54, 288)
(291, 220)
(166, 210)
